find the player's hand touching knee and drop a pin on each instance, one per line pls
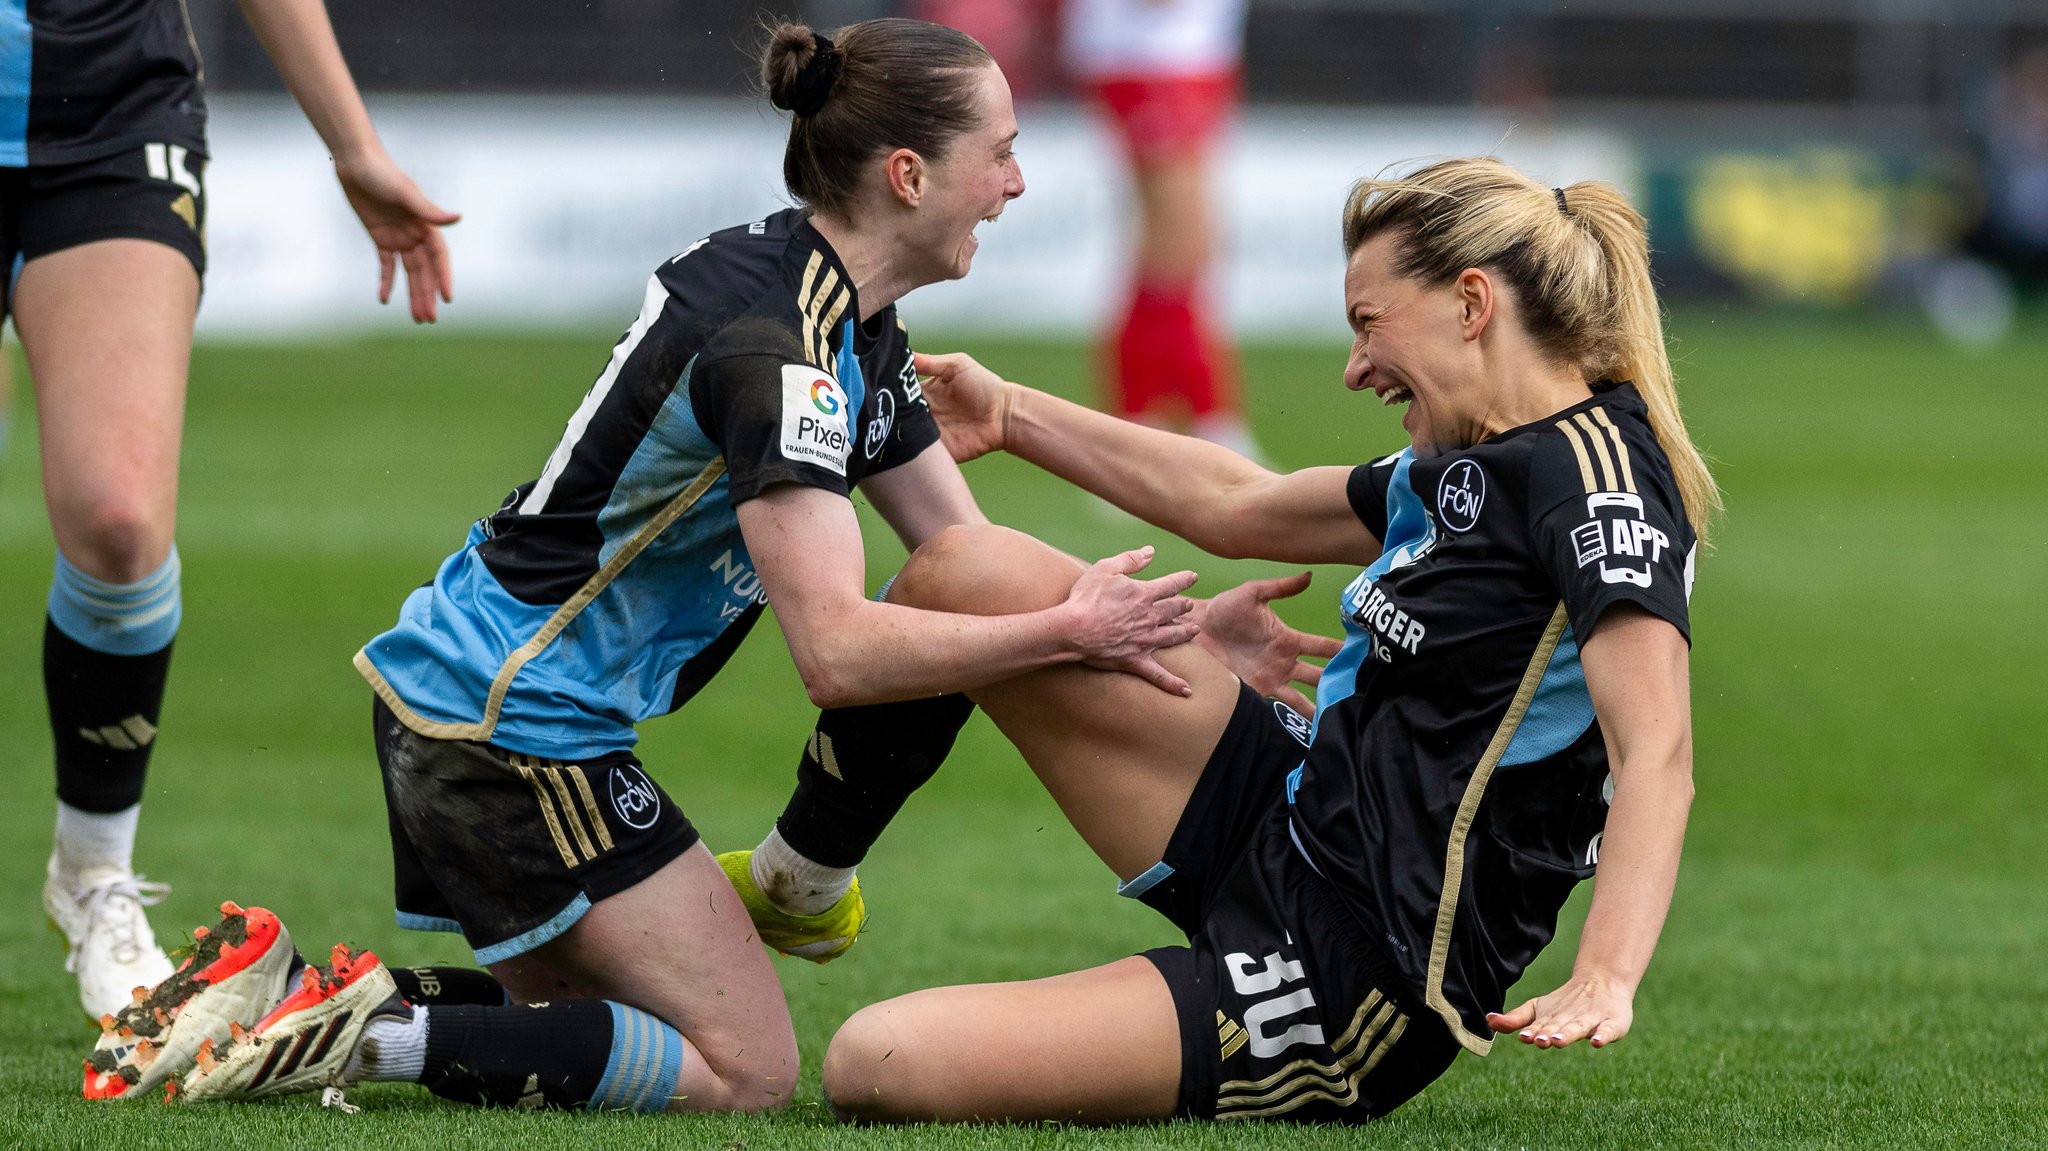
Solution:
(1119, 622)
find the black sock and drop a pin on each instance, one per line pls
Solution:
(859, 767)
(103, 715)
(547, 1054)
(448, 987)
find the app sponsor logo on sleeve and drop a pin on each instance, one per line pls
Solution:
(1626, 546)
(814, 418)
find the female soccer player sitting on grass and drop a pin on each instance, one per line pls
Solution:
(706, 473)
(1360, 892)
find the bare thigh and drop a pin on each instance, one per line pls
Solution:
(107, 329)
(679, 946)
(1095, 1046)
(1118, 755)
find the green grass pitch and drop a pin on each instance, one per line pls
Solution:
(1855, 957)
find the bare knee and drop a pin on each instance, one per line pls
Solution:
(859, 1080)
(756, 1073)
(119, 541)
(983, 569)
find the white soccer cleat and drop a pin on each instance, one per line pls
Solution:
(113, 951)
(236, 974)
(305, 1042)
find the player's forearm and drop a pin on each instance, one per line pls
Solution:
(1638, 867)
(879, 652)
(300, 41)
(1177, 482)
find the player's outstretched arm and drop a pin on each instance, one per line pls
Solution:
(1208, 495)
(1636, 673)
(1240, 628)
(401, 221)
(850, 650)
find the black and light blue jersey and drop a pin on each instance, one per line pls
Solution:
(83, 79)
(1455, 787)
(616, 584)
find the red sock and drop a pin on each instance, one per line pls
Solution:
(1165, 352)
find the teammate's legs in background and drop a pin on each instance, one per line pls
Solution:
(6, 403)
(1173, 358)
(107, 329)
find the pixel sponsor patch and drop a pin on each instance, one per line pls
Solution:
(814, 418)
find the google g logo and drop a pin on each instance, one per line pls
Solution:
(825, 397)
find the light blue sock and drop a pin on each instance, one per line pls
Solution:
(646, 1062)
(118, 618)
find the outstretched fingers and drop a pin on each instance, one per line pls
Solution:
(1561, 1020)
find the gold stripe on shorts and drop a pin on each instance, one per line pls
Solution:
(597, 824)
(1374, 1030)
(547, 809)
(553, 772)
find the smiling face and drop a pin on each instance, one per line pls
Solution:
(970, 184)
(1410, 347)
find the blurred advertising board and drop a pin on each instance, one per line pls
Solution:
(568, 204)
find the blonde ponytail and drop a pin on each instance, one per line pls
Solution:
(1579, 261)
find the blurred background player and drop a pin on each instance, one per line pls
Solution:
(1167, 73)
(2013, 166)
(103, 222)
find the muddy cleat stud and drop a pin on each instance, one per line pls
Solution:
(238, 971)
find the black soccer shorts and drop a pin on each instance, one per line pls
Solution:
(147, 192)
(1286, 1011)
(510, 850)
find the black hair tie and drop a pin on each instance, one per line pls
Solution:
(1561, 209)
(815, 79)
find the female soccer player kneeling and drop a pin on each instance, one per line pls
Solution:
(705, 474)
(1508, 715)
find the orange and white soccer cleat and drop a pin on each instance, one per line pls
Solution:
(237, 971)
(305, 1042)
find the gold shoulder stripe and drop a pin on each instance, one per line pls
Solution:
(553, 772)
(831, 317)
(810, 280)
(597, 824)
(816, 331)
(1461, 826)
(547, 809)
(1579, 449)
(562, 617)
(1628, 475)
(1599, 451)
